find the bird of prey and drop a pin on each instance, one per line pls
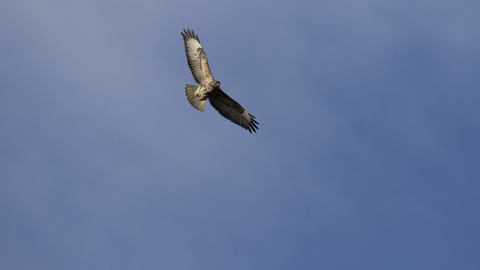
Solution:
(209, 88)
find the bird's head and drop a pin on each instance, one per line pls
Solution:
(217, 84)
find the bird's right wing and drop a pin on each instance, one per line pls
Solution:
(196, 58)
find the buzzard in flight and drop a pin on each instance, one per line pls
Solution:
(210, 88)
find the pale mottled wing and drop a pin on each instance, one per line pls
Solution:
(233, 111)
(196, 57)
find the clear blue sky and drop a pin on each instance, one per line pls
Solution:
(367, 156)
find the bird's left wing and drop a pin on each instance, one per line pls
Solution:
(233, 111)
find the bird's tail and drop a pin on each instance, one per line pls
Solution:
(194, 101)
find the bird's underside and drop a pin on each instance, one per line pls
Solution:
(209, 88)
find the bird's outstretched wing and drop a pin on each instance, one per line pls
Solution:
(196, 58)
(233, 111)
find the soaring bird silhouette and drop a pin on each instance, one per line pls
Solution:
(209, 88)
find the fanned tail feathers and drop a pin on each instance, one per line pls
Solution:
(194, 101)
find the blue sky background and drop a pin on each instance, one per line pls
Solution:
(367, 157)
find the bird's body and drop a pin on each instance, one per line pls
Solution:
(209, 88)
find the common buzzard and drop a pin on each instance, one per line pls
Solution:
(210, 88)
